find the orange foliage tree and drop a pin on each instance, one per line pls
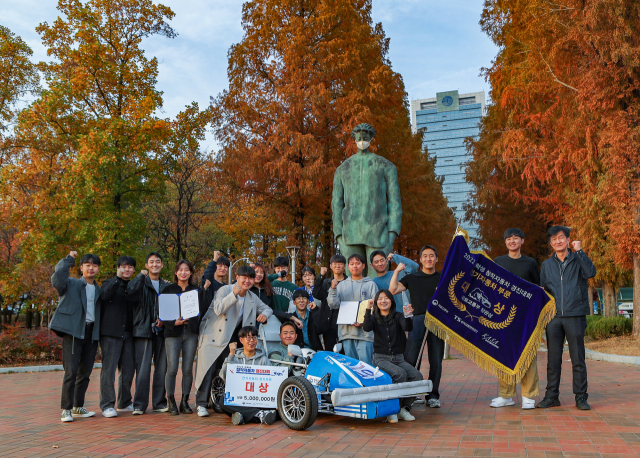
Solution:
(305, 73)
(91, 149)
(566, 90)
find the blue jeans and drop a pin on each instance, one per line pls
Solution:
(359, 349)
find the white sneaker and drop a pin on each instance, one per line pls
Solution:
(434, 403)
(392, 419)
(419, 401)
(528, 403)
(138, 412)
(502, 402)
(202, 411)
(110, 412)
(405, 415)
(129, 408)
(66, 416)
(82, 412)
(161, 409)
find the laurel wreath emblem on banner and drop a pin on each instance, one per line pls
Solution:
(483, 321)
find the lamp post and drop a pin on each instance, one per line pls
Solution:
(233, 264)
(293, 253)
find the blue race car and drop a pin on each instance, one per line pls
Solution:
(339, 385)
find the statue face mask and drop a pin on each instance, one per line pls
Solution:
(363, 145)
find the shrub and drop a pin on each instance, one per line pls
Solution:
(599, 327)
(19, 345)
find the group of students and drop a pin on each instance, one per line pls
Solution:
(123, 317)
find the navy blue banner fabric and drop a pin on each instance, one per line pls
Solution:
(492, 316)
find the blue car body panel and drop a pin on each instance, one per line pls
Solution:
(348, 372)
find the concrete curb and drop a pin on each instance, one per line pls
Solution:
(596, 356)
(7, 370)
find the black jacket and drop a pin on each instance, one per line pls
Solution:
(170, 328)
(389, 336)
(262, 294)
(568, 284)
(117, 309)
(207, 295)
(328, 320)
(145, 304)
(314, 338)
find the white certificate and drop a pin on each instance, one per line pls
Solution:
(189, 304)
(169, 307)
(253, 386)
(348, 312)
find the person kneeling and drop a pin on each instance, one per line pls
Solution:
(389, 340)
(251, 356)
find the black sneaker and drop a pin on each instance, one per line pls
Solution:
(548, 402)
(237, 419)
(582, 404)
(268, 418)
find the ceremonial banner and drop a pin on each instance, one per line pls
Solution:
(492, 316)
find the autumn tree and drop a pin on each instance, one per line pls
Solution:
(182, 222)
(91, 146)
(305, 73)
(565, 87)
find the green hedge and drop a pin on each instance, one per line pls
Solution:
(599, 327)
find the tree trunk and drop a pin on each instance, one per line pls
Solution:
(636, 295)
(29, 318)
(610, 300)
(590, 300)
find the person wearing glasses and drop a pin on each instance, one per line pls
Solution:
(251, 356)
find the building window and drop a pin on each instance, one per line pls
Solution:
(427, 105)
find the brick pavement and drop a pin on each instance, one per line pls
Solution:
(465, 426)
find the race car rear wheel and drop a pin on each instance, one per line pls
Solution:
(217, 394)
(297, 403)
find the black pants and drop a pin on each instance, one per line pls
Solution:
(435, 353)
(330, 339)
(78, 356)
(203, 392)
(117, 353)
(571, 327)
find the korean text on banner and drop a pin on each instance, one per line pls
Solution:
(253, 386)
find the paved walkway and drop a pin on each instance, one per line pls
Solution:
(465, 426)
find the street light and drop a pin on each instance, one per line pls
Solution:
(293, 253)
(233, 264)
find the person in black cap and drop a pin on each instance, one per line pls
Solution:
(527, 269)
(565, 276)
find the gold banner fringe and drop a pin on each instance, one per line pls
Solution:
(486, 362)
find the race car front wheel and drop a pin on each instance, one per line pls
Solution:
(217, 394)
(297, 403)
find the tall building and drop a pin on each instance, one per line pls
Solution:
(447, 119)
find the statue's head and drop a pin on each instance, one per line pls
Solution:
(363, 134)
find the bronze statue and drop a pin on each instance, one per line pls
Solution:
(367, 212)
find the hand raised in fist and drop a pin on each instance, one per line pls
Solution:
(334, 283)
(233, 346)
(207, 284)
(323, 271)
(216, 255)
(576, 245)
(144, 272)
(236, 289)
(73, 254)
(390, 257)
(400, 267)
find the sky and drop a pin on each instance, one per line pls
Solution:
(435, 45)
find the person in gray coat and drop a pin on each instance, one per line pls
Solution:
(233, 307)
(565, 276)
(356, 342)
(77, 321)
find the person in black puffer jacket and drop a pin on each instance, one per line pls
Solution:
(327, 325)
(565, 276)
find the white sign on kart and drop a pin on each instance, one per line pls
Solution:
(253, 386)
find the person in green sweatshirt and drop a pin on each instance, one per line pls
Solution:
(282, 287)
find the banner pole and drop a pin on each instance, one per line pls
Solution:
(424, 342)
